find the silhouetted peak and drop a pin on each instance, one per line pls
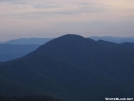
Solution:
(65, 39)
(68, 40)
(70, 37)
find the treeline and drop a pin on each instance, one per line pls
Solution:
(28, 98)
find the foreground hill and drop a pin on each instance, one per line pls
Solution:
(28, 98)
(9, 52)
(73, 68)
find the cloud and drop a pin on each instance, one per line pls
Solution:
(114, 9)
(28, 17)
(68, 7)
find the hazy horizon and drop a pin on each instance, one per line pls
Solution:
(61, 35)
(50, 19)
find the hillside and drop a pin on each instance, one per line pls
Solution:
(73, 68)
(25, 41)
(28, 98)
(9, 51)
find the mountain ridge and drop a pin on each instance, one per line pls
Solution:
(114, 39)
(72, 67)
(25, 41)
(41, 41)
(14, 51)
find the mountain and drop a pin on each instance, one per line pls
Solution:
(41, 41)
(114, 39)
(15, 48)
(73, 68)
(9, 51)
(25, 41)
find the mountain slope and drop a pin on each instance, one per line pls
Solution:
(9, 52)
(71, 67)
(25, 41)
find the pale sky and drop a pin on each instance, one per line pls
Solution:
(53, 18)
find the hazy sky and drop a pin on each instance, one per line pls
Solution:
(52, 18)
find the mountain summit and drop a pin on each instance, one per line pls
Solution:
(73, 68)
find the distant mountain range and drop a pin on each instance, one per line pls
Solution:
(114, 39)
(16, 48)
(73, 68)
(25, 41)
(10, 51)
(13, 49)
(40, 41)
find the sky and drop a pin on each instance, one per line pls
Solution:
(53, 18)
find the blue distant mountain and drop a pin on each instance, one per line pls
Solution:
(17, 48)
(40, 41)
(114, 39)
(24, 41)
(10, 51)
